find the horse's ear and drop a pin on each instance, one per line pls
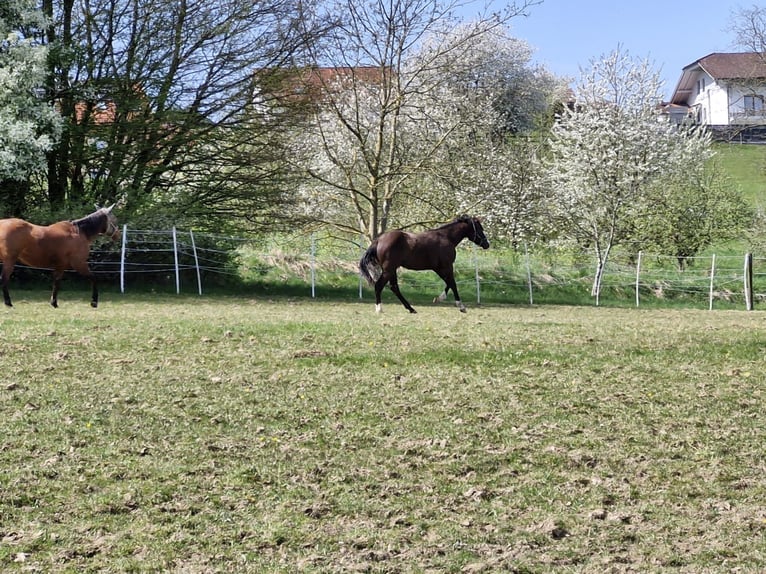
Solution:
(110, 208)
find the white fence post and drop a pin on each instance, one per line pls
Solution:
(175, 258)
(748, 281)
(313, 262)
(196, 262)
(476, 273)
(122, 257)
(638, 275)
(362, 250)
(712, 278)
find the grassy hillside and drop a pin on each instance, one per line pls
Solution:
(746, 165)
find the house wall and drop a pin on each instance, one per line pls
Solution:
(711, 101)
(718, 105)
(722, 103)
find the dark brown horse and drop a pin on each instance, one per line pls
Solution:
(60, 246)
(433, 249)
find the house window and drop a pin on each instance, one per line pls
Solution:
(753, 105)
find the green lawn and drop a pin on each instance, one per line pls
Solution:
(185, 434)
(746, 166)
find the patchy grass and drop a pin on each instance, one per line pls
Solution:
(213, 435)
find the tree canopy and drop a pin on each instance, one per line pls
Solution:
(160, 109)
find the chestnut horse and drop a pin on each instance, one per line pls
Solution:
(60, 246)
(433, 249)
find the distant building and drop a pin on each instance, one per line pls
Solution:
(726, 92)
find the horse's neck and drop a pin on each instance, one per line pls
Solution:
(456, 232)
(89, 226)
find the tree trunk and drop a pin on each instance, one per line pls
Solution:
(601, 259)
(59, 93)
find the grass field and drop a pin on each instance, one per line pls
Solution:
(177, 434)
(746, 166)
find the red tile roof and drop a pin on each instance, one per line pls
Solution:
(733, 66)
(739, 66)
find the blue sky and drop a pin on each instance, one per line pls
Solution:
(567, 34)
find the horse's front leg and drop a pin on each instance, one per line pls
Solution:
(449, 278)
(84, 270)
(441, 296)
(57, 275)
(94, 291)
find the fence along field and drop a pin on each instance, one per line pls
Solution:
(185, 260)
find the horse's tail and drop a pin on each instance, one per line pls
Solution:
(369, 260)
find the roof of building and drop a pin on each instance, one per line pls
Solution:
(720, 66)
(733, 66)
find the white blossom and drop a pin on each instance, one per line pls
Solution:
(610, 150)
(29, 126)
(417, 145)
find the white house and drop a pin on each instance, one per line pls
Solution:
(724, 91)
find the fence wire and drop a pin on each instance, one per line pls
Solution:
(527, 275)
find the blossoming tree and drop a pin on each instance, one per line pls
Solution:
(610, 150)
(409, 106)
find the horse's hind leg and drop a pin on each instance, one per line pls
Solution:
(6, 277)
(394, 282)
(379, 284)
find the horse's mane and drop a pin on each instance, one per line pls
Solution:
(92, 224)
(460, 219)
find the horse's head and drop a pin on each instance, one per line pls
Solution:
(110, 227)
(478, 236)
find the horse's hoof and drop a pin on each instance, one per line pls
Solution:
(54, 305)
(463, 309)
(94, 304)
(8, 304)
(413, 311)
